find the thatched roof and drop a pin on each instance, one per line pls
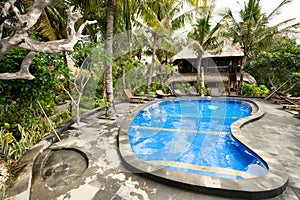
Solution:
(229, 50)
(212, 77)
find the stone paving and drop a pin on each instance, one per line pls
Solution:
(106, 178)
(278, 133)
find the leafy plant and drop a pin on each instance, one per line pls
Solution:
(278, 67)
(21, 120)
(254, 90)
(205, 91)
(61, 118)
(13, 148)
(20, 97)
(89, 68)
(100, 102)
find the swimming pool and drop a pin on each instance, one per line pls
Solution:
(197, 144)
(194, 136)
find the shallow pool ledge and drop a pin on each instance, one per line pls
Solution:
(271, 184)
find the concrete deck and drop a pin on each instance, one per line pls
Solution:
(95, 169)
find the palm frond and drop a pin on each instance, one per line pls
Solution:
(284, 2)
(52, 22)
(287, 23)
(194, 45)
(166, 43)
(149, 16)
(45, 28)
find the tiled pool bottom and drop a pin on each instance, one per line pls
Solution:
(269, 184)
(210, 154)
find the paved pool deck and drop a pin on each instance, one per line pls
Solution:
(53, 170)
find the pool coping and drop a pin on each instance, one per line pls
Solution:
(271, 184)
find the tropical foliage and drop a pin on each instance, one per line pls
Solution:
(254, 90)
(161, 18)
(252, 30)
(22, 122)
(205, 37)
(53, 21)
(22, 96)
(278, 68)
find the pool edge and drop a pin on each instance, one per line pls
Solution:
(271, 184)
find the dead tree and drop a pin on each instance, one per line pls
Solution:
(20, 37)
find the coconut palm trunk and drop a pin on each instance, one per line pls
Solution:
(200, 74)
(155, 38)
(109, 48)
(202, 77)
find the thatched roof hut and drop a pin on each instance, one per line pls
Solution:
(229, 49)
(221, 67)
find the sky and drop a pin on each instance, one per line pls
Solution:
(288, 11)
(291, 10)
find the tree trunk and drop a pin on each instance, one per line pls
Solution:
(200, 74)
(123, 76)
(20, 38)
(153, 63)
(109, 47)
(159, 72)
(103, 90)
(78, 109)
(240, 88)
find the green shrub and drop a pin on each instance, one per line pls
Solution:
(274, 66)
(22, 122)
(100, 103)
(21, 96)
(254, 90)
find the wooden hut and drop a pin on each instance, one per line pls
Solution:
(221, 70)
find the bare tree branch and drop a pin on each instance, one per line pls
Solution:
(6, 8)
(80, 81)
(77, 85)
(21, 39)
(82, 26)
(291, 87)
(271, 82)
(69, 94)
(24, 70)
(33, 15)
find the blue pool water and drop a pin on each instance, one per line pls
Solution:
(193, 136)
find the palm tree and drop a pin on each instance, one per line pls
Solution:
(103, 12)
(109, 48)
(160, 18)
(109, 10)
(205, 37)
(126, 6)
(253, 31)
